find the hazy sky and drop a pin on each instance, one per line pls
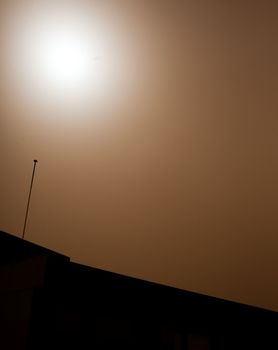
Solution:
(168, 171)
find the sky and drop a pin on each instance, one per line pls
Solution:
(160, 161)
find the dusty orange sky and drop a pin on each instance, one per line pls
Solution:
(175, 182)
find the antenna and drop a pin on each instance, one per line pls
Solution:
(29, 198)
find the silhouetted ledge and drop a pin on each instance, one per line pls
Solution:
(48, 302)
(13, 249)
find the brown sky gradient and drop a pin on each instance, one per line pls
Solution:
(175, 182)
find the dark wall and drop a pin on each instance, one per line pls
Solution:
(15, 315)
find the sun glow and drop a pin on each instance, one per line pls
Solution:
(66, 58)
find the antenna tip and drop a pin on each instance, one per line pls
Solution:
(35, 160)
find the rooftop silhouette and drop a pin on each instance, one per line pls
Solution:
(49, 302)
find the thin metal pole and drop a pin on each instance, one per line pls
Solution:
(29, 198)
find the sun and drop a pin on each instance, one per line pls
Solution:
(66, 58)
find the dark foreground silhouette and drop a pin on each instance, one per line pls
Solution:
(48, 302)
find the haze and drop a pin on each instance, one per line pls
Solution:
(170, 174)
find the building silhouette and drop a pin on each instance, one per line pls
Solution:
(49, 302)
